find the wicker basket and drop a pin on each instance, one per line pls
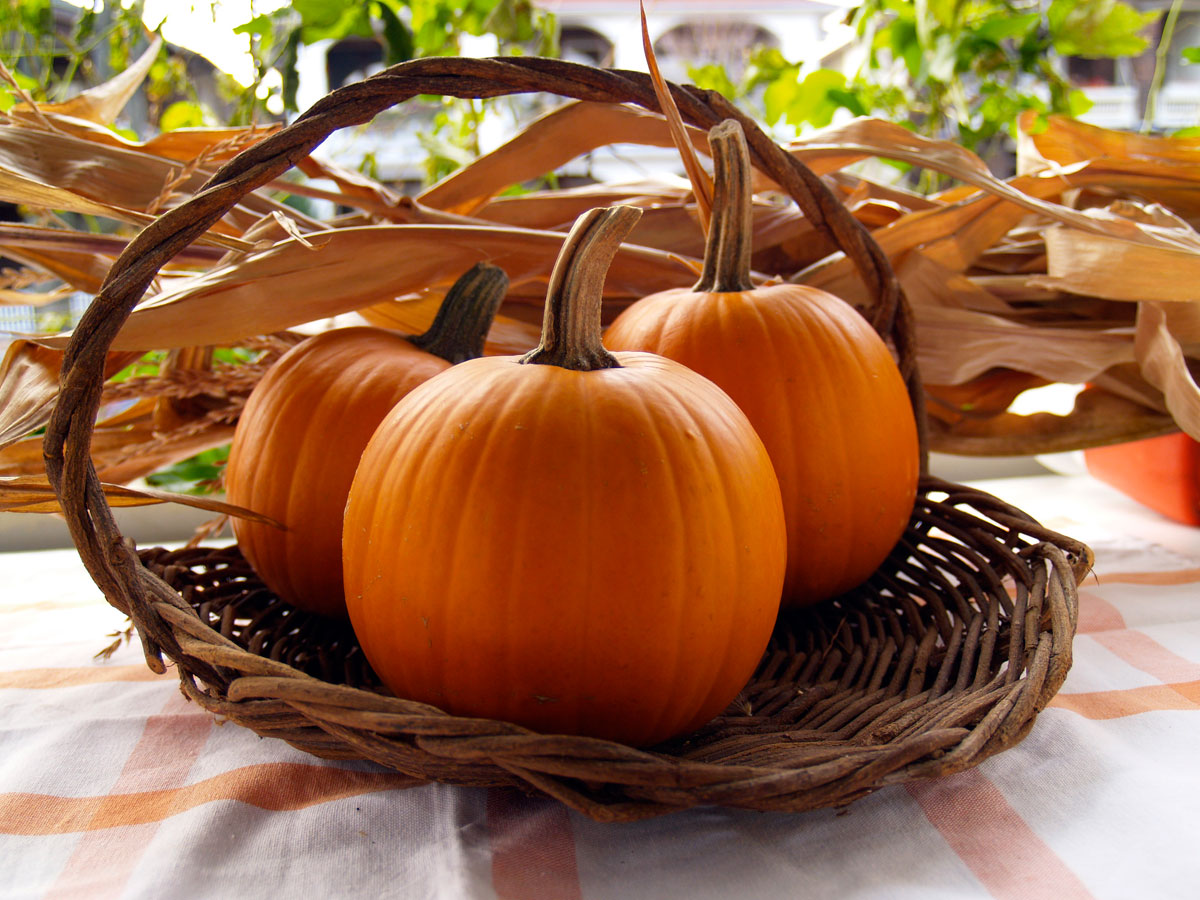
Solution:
(944, 657)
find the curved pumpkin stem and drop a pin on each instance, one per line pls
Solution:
(727, 252)
(571, 324)
(460, 328)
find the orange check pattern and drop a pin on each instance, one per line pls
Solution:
(112, 785)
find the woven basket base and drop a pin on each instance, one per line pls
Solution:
(944, 657)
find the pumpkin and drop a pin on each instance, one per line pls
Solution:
(307, 421)
(820, 386)
(575, 541)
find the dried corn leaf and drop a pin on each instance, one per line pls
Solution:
(29, 384)
(16, 188)
(10, 297)
(103, 103)
(983, 397)
(1116, 268)
(33, 494)
(551, 210)
(954, 236)
(839, 146)
(702, 183)
(929, 283)
(1128, 381)
(119, 458)
(875, 137)
(82, 271)
(957, 345)
(1064, 141)
(351, 268)
(1164, 365)
(1183, 321)
(567, 132)
(61, 171)
(355, 189)
(132, 444)
(854, 187)
(122, 454)
(1098, 418)
(183, 145)
(107, 246)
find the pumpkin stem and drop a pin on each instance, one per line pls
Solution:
(461, 325)
(571, 324)
(727, 253)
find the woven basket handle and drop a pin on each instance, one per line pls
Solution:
(109, 559)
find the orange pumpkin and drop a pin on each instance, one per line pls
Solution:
(820, 386)
(576, 541)
(306, 423)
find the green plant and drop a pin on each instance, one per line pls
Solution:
(198, 474)
(946, 68)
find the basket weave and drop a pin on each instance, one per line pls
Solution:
(944, 657)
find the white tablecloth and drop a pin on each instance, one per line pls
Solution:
(112, 785)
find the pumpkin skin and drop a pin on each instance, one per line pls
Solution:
(817, 382)
(304, 427)
(587, 552)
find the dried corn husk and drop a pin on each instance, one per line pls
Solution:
(1077, 270)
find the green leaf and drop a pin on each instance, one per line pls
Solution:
(261, 26)
(1078, 103)
(148, 364)
(713, 77)
(287, 69)
(848, 99)
(431, 37)
(764, 66)
(1192, 132)
(398, 37)
(942, 12)
(813, 103)
(780, 94)
(332, 19)
(906, 45)
(1098, 28)
(194, 475)
(1191, 54)
(1006, 26)
(181, 114)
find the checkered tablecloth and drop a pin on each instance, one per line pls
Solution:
(112, 785)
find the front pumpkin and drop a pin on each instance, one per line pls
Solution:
(567, 540)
